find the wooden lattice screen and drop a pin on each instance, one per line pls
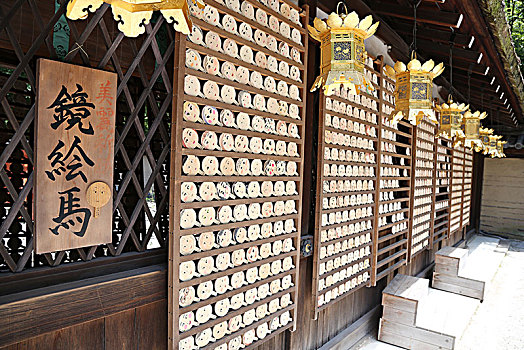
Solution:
(144, 67)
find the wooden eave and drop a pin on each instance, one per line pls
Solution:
(483, 54)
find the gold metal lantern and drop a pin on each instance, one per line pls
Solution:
(471, 128)
(131, 15)
(500, 149)
(342, 51)
(491, 148)
(484, 139)
(414, 90)
(451, 118)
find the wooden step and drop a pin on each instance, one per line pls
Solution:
(412, 337)
(418, 317)
(450, 260)
(450, 276)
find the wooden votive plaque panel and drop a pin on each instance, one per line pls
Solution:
(457, 190)
(394, 188)
(442, 183)
(346, 185)
(423, 186)
(237, 167)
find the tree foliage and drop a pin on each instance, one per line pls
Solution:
(515, 15)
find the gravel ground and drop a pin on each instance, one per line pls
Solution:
(499, 321)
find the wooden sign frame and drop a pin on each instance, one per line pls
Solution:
(74, 148)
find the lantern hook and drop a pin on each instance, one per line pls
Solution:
(345, 7)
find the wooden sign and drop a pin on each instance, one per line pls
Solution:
(74, 147)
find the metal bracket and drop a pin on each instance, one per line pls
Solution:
(306, 246)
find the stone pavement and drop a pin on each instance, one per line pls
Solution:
(498, 322)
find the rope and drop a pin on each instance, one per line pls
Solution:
(78, 47)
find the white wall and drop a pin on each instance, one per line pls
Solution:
(502, 208)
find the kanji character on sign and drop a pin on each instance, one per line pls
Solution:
(74, 161)
(70, 214)
(73, 109)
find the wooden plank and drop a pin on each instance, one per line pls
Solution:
(403, 342)
(394, 286)
(352, 334)
(120, 330)
(459, 285)
(446, 269)
(410, 288)
(151, 323)
(453, 288)
(401, 316)
(399, 303)
(453, 252)
(84, 336)
(422, 335)
(87, 300)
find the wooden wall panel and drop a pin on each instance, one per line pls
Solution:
(120, 330)
(144, 327)
(502, 207)
(151, 326)
(62, 306)
(84, 336)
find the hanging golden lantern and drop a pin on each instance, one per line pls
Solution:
(450, 118)
(131, 15)
(484, 138)
(342, 51)
(491, 148)
(471, 128)
(500, 149)
(414, 90)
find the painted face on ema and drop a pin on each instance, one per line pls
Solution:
(193, 59)
(245, 31)
(191, 112)
(229, 24)
(211, 65)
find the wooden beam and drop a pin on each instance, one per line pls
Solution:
(432, 34)
(480, 80)
(488, 94)
(27, 315)
(442, 50)
(480, 69)
(472, 10)
(439, 18)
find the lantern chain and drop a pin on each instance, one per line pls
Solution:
(469, 86)
(450, 69)
(413, 47)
